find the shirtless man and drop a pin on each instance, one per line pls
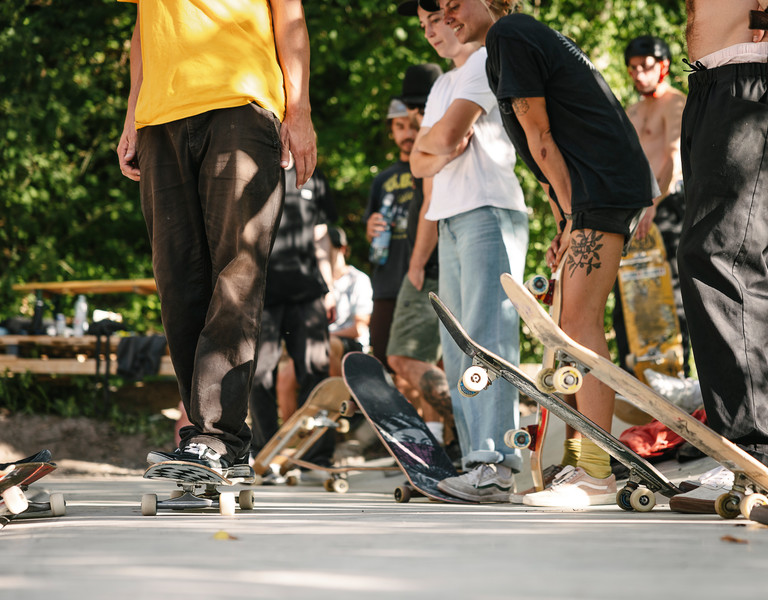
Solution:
(723, 271)
(657, 118)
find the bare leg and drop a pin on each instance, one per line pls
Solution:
(427, 381)
(589, 274)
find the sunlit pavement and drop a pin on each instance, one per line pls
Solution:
(304, 542)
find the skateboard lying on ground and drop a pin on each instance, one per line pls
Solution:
(651, 323)
(399, 427)
(644, 479)
(14, 481)
(199, 488)
(750, 474)
(303, 429)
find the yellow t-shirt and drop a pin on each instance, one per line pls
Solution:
(200, 55)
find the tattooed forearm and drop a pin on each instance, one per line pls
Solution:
(520, 106)
(584, 254)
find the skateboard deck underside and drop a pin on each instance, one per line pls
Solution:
(293, 439)
(640, 470)
(398, 426)
(695, 432)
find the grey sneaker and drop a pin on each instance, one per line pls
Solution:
(484, 483)
(574, 488)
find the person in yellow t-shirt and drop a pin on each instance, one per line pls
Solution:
(218, 102)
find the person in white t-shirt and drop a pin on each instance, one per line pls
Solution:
(354, 303)
(483, 232)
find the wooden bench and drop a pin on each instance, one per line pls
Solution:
(56, 355)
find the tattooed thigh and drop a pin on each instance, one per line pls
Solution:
(584, 251)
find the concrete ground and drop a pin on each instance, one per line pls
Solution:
(304, 542)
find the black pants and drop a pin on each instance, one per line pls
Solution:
(669, 220)
(304, 328)
(724, 246)
(211, 193)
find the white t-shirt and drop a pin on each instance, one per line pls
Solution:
(484, 175)
(354, 296)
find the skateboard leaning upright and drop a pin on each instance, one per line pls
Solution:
(644, 479)
(399, 427)
(749, 473)
(303, 429)
(650, 313)
(14, 481)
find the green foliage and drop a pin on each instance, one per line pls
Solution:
(67, 213)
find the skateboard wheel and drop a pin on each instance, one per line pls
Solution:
(308, 424)
(58, 505)
(347, 409)
(342, 426)
(475, 379)
(402, 494)
(544, 381)
(15, 500)
(727, 505)
(340, 486)
(149, 505)
(538, 285)
(517, 438)
(642, 500)
(630, 361)
(227, 504)
(246, 499)
(568, 380)
(465, 392)
(750, 501)
(328, 485)
(291, 480)
(623, 499)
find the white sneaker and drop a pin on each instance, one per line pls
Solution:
(701, 500)
(685, 393)
(484, 483)
(573, 488)
(548, 475)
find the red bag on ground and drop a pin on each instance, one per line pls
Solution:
(655, 439)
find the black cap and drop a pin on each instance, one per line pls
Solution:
(418, 82)
(647, 45)
(337, 235)
(409, 8)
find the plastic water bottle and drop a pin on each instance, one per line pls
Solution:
(380, 245)
(81, 315)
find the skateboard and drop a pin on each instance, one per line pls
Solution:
(14, 481)
(650, 313)
(199, 488)
(549, 292)
(400, 429)
(644, 480)
(337, 481)
(750, 474)
(303, 428)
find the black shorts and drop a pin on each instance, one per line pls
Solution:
(608, 220)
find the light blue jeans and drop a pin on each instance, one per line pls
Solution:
(475, 249)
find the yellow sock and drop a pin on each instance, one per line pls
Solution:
(572, 452)
(596, 462)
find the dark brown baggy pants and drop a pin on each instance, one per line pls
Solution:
(211, 192)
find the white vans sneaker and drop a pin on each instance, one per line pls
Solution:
(573, 488)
